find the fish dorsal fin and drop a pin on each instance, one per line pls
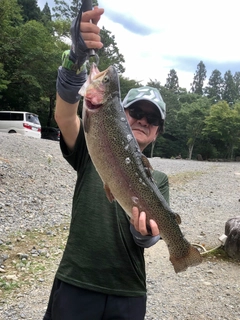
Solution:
(147, 166)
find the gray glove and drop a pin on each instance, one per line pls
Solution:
(72, 74)
(143, 241)
(68, 84)
(79, 50)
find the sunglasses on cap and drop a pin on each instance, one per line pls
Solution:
(138, 114)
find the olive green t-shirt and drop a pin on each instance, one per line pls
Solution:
(100, 253)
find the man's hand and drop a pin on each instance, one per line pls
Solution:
(89, 29)
(85, 35)
(139, 222)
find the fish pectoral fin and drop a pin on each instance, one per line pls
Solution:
(146, 162)
(147, 166)
(177, 218)
(108, 193)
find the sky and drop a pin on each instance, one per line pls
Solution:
(173, 34)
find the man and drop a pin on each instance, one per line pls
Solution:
(102, 273)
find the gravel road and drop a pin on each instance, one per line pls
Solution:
(36, 187)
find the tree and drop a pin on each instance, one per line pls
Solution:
(199, 78)
(3, 82)
(188, 97)
(236, 79)
(169, 143)
(62, 11)
(109, 54)
(10, 20)
(47, 18)
(126, 84)
(30, 10)
(172, 81)
(215, 86)
(31, 68)
(193, 116)
(229, 88)
(67, 12)
(223, 124)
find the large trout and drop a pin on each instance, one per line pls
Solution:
(125, 172)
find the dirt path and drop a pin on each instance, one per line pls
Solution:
(36, 186)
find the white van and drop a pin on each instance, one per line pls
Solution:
(25, 123)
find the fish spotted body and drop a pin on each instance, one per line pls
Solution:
(125, 172)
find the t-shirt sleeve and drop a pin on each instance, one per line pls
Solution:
(161, 180)
(79, 155)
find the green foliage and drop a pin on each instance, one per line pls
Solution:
(46, 18)
(126, 84)
(10, 21)
(223, 124)
(30, 10)
(109, 54)
(229, 88)
(28, 66)
(236, 79)
(28, 62)
(172, 81)
(47, 12)
(192, 116)
(61, 29)
(63, 11)
(199, 78)
(3, 83)
(10, 17)
(215, 86)
(168, 144)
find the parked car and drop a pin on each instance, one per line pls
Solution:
(50, 133)
(22, 122)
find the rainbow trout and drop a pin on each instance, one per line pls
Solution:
(125, 172)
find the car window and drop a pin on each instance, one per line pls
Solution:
(17, 116)
(4, 115)
(32, 118)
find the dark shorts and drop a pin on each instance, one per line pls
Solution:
(68, 302)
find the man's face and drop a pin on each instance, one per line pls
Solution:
(144, 132)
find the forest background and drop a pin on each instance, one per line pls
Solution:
(201, 123)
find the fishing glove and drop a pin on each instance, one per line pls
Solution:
(73, 72)
(143, 241)
(69, 80)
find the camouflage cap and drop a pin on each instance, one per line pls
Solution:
(148, 94)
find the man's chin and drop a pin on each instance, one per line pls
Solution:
(141, 138)
(139, 132)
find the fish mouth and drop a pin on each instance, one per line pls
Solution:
(92, 106)
(97, 74)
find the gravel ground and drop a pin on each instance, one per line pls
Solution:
(36, 187)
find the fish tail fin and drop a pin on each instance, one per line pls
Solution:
(192, 258)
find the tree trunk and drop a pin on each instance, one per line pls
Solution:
(190, 150)
(51, 108)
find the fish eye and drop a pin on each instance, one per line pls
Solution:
(106, 79)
